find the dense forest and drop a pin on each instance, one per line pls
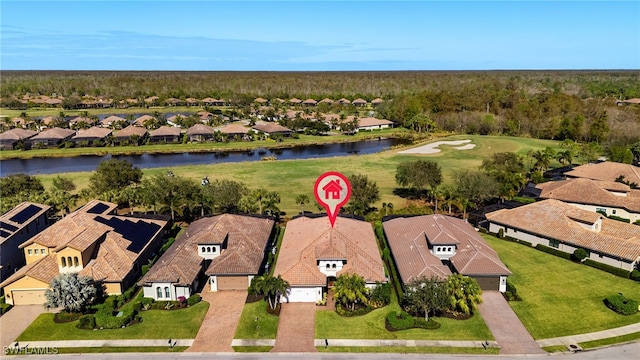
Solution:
(578, 105)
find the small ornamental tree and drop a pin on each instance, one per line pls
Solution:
(70, 291)
(580, 254)
(424, 296)
(464, 294)
(349, 290)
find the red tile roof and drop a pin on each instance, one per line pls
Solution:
(554, 219)
(308, 240)
(165, 131)
(586, 191)
(200, 129)
(233, 129)
(131, 130)
(607, 171)
(17, 134)
(92, 133)
(270, 127)
(54, 133)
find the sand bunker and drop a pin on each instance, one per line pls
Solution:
(433, 147)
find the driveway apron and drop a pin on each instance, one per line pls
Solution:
(296, 328)
(14, 322)
(221, 321)
(507, 329)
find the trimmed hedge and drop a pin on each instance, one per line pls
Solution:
(512, 293)
(424, 324)
(106, 320)
(580, 254)
(194, 299)
(552, 251)
(608, 268)
(357, 312)
(635, 275)
(618, 218)
(4, 308)
(65, 317)
(400, 321)
(87, 322)
(166, 246)
(621, 305)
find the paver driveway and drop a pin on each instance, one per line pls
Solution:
(14, 322)
(219, 326)
(505, 326)
(296, 328)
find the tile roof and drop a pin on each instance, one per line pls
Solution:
(326, 100)
(111, 119)
(246, 239)
(141, 120)
(200, 129)
(295, 101)
(308, 240)
(54, 133)
(261, 100)
(233, 129)
(165, 131)
(371, 121)
(554, 219)
(92, 132)
(131, 130)
(607, 171)
(119, 242)
(270, 127)
(359, 101)
(377, 101)
(17, 134)
(586, 191)
(10, 225)
(79, 119)
(310, 102)
(410, 240)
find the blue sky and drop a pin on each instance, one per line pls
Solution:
(327, 35)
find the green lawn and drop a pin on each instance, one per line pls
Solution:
(608, 341)
(561, 297)
(408, 350)
(156, 324)
(292, 177)
(330, 325)
(265, 327)
(121, 349)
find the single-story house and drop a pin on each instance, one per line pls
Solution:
(344, 101)
(174, 102)
(17, 226)
(309, 102)
(228, 248)
(52, 137)
(438, 245)
(567, 228)
(112, 120)
(141, 121)
(167, 134)
(327, 101)
(313, 254)
(359, 102)
(10, 138)
(271, 128)
(606, 171)
(212, 102)
(200, 132)
(233, 130)
(261, 101)
(130, 135)
(79, 120)
(377, 101)
(371, 123)
(295, 101)
(606, 197)
(192, 102)
(91, 135)
(110, 249)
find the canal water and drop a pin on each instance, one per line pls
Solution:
(36, 166)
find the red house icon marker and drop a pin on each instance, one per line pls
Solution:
(332, 190)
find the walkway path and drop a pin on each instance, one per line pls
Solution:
(219, 326)
(296, 328)
(14, 322)
(575, 339)
(510, 334)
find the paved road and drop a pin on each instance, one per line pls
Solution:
(220, 324)
(510, 334)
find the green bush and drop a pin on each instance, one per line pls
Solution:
(501, 233)
(130, 293)
(400, 321)
(512, 239)
(424, 324)
(194, 299)
(111, 302)
(608, 268)
(635, 275)
(106, 320)
(552, 251)
(87, 322)
(380, 295)
(618, 218)
(2, 300)
(4, 308)
(621, 305)
(146, 301)
(64, 317)
(580, 254)
(166, 245)
(145, 269)
(512, 293)
(137, 306)
(357, 312)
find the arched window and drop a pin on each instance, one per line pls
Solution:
(328, 266)
(75, 261)
(449, 249)
(333, 266)
(64, 261)
(159, 292)
(203, 249)
(166, 292)
(213, 249)
(69, 261)
(208, 249)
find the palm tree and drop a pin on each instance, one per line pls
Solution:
(387, 208)
(565, 157)
(302, 199)
(271, 287)
(71, 292)
(464, 293)
(349, 290)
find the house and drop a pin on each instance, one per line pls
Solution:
(313, 254)
(91, 136)
(142, 120)
(110, 249)
(309, 102)
(326, 101)
(377, 101)
(81, 121)
(270, 128)
(635, 101)
(228, 248)
(192, 102)
(606, 171)
(359, 102)
(344, 101)
(112, 120)
(130, 135)
(438, 245)
(200, 132)
(261, 101)
(151, 100)
(565, 227)
(605, 197)
(371, 123)
(165, 134)
(233, 130)
(17, 226)
(212, 102)
(9, 139)
(295, 101)
(51, 137)
(174, 102)
(332, 190)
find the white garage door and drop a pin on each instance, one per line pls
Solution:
(28, 297)
(305, 294)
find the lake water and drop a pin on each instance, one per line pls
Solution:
(89, 163)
